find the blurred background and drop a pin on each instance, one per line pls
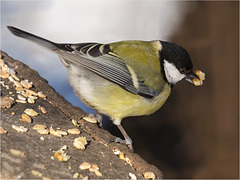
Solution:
(196, 133)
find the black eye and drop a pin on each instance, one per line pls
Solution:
(182, 71)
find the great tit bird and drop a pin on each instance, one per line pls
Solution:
(121, 79)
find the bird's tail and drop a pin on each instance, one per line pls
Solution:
(31, 37)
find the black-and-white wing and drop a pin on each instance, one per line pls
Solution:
(99, 59)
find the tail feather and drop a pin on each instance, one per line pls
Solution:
(31, 37)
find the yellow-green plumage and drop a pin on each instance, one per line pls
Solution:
(143, 57)
(111, 99)
(118, 103)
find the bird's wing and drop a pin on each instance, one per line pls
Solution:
(100, 59)
(104, 60)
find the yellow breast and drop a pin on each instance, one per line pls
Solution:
(118, 103)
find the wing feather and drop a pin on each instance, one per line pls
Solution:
(99, 59)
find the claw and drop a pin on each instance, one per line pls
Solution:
(128, 142)
(98, 117)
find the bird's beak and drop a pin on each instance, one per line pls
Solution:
(190, 76)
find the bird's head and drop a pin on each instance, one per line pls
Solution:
(176, 63)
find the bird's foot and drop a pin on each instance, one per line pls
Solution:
(98, 117)
(128, 142)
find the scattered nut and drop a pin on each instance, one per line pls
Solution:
(17, 152)
(132, 176)
(74, 131)
(4, 75)
(64, 147)
(55, 133)
(13, 113)
(19, 129)
(94, 166)
(18, 86)
(25, 94)
(26, 84)
(21, 97)
(83, 178)
(30, 100)
(36, 173)
(121, 156)
(46, 178)
(19, 89)
(41, 95)
(15, 77)
(31, 92)
(2, 131)
(33, 97)
(91, 167)
(98, 173)
(42, 109)
(25, 118)
(76, 175)
(80, 143)
(85, 165)
(75, 122)
(7, 87)
(31, 112)
(4, 68)
(149, 175)
(43, 131)
(61, 155)
(21, 101)
(64, 133)
(89, 119)
(1, 61)
(39, 126)
(6, 102)
(127, 159)
(117, 152)
(11, 79)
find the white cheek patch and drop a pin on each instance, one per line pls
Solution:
(172, 73)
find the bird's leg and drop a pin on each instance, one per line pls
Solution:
(127, 141)
(99, 119)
